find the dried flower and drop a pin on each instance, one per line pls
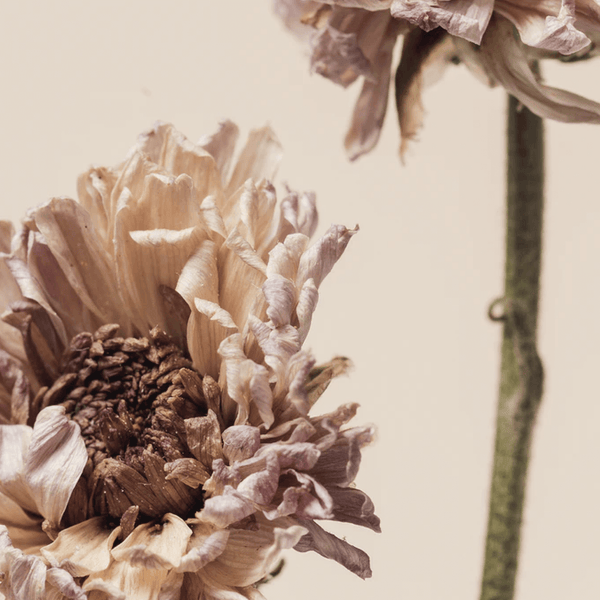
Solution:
(499, 40)
(155, 436)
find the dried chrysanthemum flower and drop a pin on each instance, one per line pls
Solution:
(155, 437)
(499, 40)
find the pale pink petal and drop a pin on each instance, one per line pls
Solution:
(319, 259)
(554, 32)
(25, 577)
(467, 19)
(65, 584)
(505, 58)
(298, 215)
(240, 442)
(204, 546)
(55, 461)
(371, 106)
(330, 546)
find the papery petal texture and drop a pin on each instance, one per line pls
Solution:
(354, 39)
(156, 435)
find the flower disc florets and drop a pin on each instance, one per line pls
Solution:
(155, 430)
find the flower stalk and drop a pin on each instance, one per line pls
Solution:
(521, 378)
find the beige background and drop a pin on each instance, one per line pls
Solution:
(408, 300)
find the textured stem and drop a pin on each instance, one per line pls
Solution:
(521, 379)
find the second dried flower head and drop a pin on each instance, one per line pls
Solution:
(497, 40)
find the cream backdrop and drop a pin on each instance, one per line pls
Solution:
(408, 300)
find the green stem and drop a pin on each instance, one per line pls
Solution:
(521, 379)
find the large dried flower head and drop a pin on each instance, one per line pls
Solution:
(156, 439)
(499, 40)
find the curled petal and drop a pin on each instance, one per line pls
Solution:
(55, 461)
(505, 59)
(83, 548)
(155, 547)
(319, 259)
(330, 546)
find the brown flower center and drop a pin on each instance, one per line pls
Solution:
(130, 397)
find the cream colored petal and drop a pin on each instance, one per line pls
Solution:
(155, 546)
(505, 58)
(71, 236)
(15, 391)
(298, 215)
(55, 461)
(178, 155)
(221, 145)
(299, 367)
(83, 548)
(250, 555)
(200, 277)
(204, 438)
(307, 303)
(149, 260)
(554, 32)
(284, 258)
(258, 160)
(257, 207)
(7, 231)
(319, 259)
(371, 106)
(467, 19)
(366, 4)
(25, 531)
(280, 294)
(121, 581)
(14, 445)
(188, 471)
(65, 584)
(206, 544)
(330, 546)
(94, 189)
(208, 326)
(247, 382)
(63, 299)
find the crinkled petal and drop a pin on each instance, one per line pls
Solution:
(467, 19)
(330, 546)
(319, 259)
(556, 33)
(220, 146)
(65, 584)
(206, 544)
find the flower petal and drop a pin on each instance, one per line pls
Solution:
(467, 19)
(155, 546)
(83, 548)
(55, 461)
(330, 546)
(505, 58)
(250, 555)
